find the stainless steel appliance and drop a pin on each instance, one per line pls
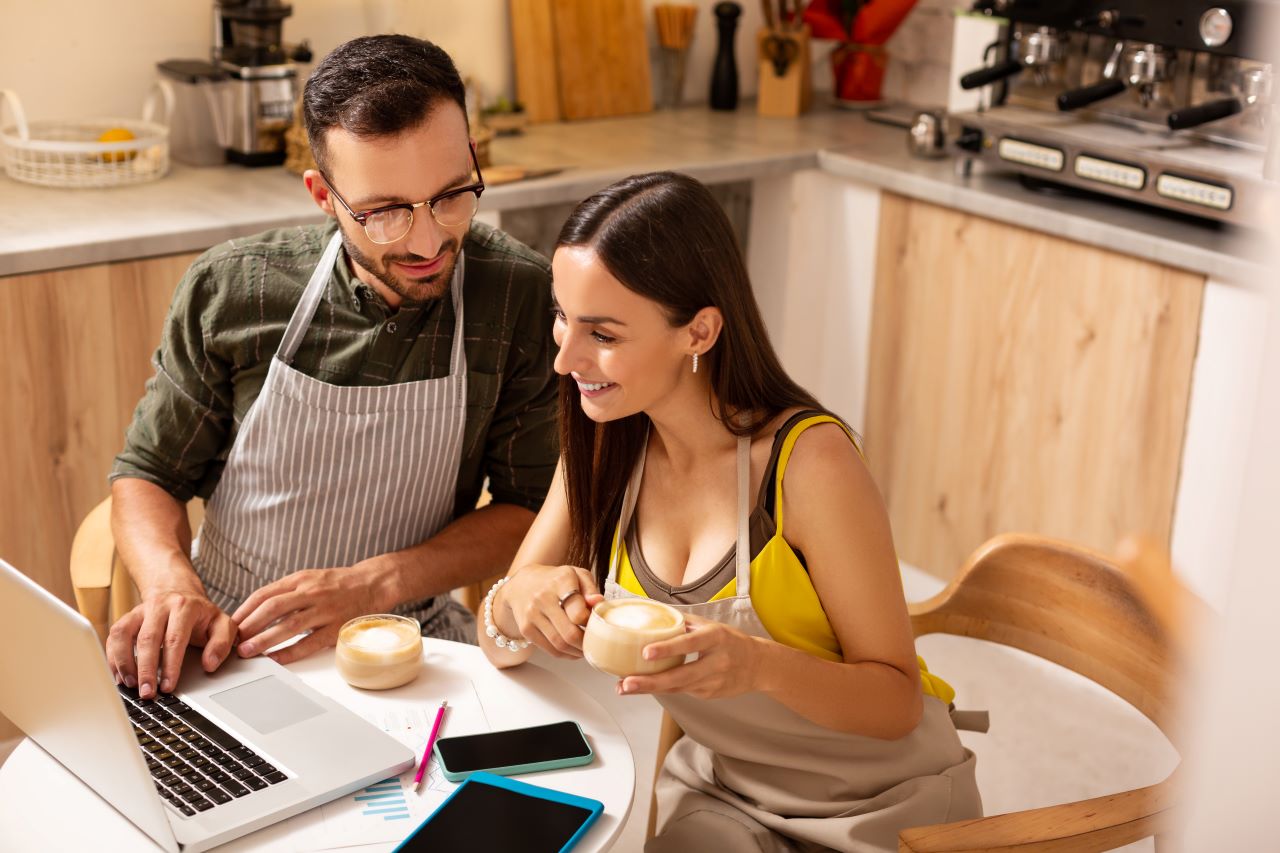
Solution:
(241, 103)
(927, 134)
(197, 131)
(262, 75)
(1165, 102)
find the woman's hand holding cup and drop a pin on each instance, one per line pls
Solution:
(728, 662)
(548, 606)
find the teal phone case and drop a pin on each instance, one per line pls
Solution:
(516, 769)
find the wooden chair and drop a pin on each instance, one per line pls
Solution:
(472, 595)
(1080, 610)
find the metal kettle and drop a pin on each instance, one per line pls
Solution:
(927, 136)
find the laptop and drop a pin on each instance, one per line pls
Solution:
(228, 753)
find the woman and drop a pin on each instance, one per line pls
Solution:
(810, 721)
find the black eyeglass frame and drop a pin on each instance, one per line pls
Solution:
(363, 216)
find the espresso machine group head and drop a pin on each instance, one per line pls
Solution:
(1165, 102)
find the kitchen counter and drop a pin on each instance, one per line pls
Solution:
(192, 209)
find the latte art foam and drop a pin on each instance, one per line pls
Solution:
(618, 631)
(378, 652)
(638, 616)
(379, 636)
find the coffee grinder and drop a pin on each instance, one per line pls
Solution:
(237, 107)
(262, 77)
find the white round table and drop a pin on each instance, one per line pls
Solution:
(48, 808)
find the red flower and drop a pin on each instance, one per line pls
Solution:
(860, 21)
(863, 26)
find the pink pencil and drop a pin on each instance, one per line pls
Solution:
(431, 741)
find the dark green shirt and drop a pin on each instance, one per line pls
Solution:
(230, 312)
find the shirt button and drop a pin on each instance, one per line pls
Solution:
(391, 328)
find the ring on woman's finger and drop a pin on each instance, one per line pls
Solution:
(567, 596)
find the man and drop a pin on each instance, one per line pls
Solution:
(339, 393)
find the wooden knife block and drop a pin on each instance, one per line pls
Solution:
(792, 93)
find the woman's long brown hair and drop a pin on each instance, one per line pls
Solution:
(664, 236)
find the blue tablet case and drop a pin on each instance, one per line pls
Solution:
(507, 814)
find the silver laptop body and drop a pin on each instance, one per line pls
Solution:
(56, 686)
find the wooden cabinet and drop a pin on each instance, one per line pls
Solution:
(1022, 382)
(75, 351)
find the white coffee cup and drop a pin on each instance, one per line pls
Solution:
(379, 651)
(619, 629)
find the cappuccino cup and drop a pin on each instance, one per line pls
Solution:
(619, 629)
(379, 652)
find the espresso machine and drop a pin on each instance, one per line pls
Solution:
(237, 107)
(1168, 103)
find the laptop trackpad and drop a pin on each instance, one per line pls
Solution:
(267, 704)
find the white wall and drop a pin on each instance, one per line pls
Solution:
(919, 67)
(813, 242)
(81, 58)
(1234, 326)
(68, 58)
(1235, 760)
(1235, 756)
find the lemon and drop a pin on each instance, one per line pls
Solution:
(117, 134)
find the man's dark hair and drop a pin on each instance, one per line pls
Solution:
(378, 86)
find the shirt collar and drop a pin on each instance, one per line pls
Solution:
(346, 285)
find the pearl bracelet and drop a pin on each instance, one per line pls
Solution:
(491, 630)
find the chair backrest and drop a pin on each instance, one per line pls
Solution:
(472, 595)
(1068, 605)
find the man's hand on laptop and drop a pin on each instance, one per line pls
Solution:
(315, 602)
(145, 646)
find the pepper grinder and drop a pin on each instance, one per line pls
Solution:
(724, 74)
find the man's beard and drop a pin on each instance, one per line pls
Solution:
(432, 287)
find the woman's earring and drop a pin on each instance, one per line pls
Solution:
(695, 362)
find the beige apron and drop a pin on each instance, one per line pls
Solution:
(327, 475)
(753, 775)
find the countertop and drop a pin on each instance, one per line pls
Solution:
(194, 208)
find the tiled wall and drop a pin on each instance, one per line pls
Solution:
(920, 53)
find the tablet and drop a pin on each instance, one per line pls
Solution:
(488, 812)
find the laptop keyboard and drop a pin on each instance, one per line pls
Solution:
(194, 763)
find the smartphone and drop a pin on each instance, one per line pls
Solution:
(514, 751)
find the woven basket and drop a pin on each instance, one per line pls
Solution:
(68, 153)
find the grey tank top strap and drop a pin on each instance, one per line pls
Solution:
(742, 555)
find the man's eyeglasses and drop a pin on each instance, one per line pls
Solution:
(390, 223)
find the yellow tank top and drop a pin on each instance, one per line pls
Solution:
(781, 591)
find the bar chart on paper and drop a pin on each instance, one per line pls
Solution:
(385, 811)
(388, 810)
(384, 800)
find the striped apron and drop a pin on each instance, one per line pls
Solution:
(752, 776)
(323, 476)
